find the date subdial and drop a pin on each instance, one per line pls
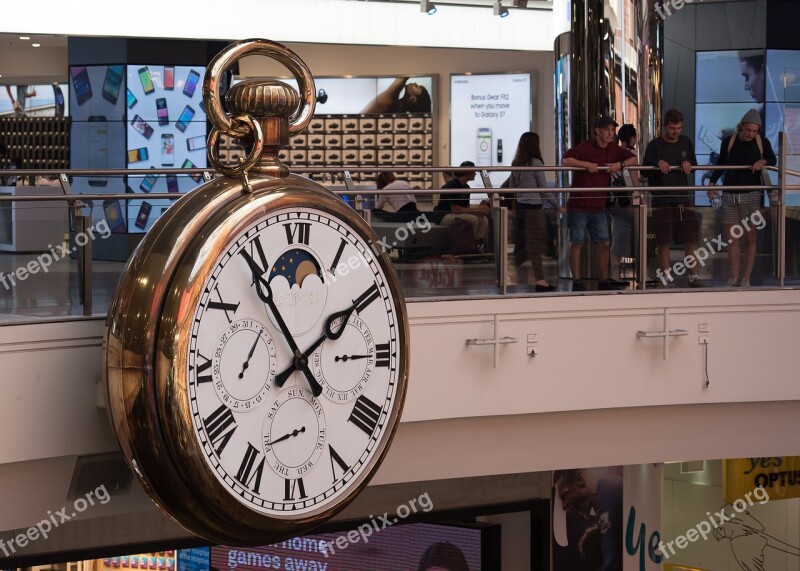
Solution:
(294, 432)
(343, 366)
(244, 365)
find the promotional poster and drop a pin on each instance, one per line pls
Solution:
(488, 113)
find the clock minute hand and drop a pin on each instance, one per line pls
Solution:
(345, 314)
(300, 360)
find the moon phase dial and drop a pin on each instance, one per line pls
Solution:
(294, 433)
(244, 365)
(343, 366)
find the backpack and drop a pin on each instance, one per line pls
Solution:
(462, 237)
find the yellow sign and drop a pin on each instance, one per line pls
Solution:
(779, 476)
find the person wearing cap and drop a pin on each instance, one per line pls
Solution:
(586, 210)
(455, 206)
(744, 148)
(673, 216)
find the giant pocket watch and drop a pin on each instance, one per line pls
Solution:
(257, 346)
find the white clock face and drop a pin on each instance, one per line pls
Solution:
(293, 363)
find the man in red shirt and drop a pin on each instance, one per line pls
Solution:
(588, 209)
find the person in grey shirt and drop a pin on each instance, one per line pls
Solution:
(530, 206)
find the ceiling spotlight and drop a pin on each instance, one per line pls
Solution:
(36, 45)
(499, 10)
(428, 7)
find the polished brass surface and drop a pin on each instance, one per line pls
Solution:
(255, 155)
(233, 53)
(148, 329)
(279, 109)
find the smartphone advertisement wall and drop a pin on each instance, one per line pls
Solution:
(488, 113)
(166, 127)
(97, 132)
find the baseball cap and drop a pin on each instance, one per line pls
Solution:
(604, 121)
(465, 164)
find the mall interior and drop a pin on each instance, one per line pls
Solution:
(579, 428)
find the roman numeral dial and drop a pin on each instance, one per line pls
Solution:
(268, 437)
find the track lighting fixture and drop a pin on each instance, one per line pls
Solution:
(428, 7)
(499, 10)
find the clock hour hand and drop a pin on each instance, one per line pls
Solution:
(346, 358)
(345, 314)
(287, 436)
(264, 291)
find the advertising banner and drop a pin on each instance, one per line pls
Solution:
(488, 113)
(606, 518)
(779, 476)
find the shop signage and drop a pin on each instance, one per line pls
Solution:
(780, 476)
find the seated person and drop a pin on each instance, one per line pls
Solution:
(456, 206)
(395, 207)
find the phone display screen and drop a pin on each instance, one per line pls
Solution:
(112, 83)
(147, 80)
(196, 143)
(148, 183)
(167, 150)
(130, 99)
(141, 126)
(138, 155)
(114, 217)
(169, 77)
(143, 217)
(162, 111)
(186, 116)
(191, 83)
(80, 84)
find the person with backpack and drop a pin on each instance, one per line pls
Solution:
(747, 148)
(530, 206)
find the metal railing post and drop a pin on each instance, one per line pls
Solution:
(500, 224)
(83, 251)
(781, 210)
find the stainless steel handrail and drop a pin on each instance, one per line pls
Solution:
(344, 172)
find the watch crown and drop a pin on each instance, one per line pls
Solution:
(271, 103)
(262, 98)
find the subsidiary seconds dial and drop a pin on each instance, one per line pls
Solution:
(244, 364)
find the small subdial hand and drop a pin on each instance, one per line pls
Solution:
(250, 354)
(345, 314)
(287, 436)
(346, 358)
(264, 291)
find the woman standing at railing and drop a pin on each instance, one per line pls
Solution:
(530, 206)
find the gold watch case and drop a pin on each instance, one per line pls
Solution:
(147, 343)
